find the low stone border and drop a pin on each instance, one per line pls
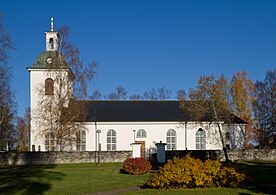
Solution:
(37, 158)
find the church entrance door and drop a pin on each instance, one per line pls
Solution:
(143, 144)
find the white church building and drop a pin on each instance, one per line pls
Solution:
(114, 125)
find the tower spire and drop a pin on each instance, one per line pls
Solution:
(51, 38)
(52, 24)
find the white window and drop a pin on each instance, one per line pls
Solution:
(81, 141)
(200, 139)
(111, 140)
(141, 133)
(50, 142)
(171, 139)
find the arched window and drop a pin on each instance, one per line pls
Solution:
(49, 86)
(50, 142)
(200, 139)
(81, 141)
(171, 139)
(111, 140)
(141, 133)
(51, 43)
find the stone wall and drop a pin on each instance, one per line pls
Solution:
(201, 154)
(246, 155)
(36, 158)
(253, 154)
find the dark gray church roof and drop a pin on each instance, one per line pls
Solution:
(138, 111)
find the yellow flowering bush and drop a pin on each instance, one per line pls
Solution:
(188, 172)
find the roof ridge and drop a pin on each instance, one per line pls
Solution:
(88, 100)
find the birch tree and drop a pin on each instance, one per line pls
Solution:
(61, 110)
(209, 102)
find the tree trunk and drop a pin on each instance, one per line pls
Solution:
(222, 142)
(220, 134)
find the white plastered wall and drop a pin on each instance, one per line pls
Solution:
(37, 86)
(156, 132)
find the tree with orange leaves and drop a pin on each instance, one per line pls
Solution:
(242, 92)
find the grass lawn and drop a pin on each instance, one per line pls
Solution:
(89, 178)
(65, 179)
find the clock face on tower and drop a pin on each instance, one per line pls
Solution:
(49, 60)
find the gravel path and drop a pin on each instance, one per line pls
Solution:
(118, 191)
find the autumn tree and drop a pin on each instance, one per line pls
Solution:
(7, 104)
(209, 101)
(23, 129)
(242, 93)
(265, 107)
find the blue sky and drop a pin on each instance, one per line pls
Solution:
(147, 44)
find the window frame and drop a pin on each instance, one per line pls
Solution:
(81, 140)
(141, 133)
(171, 138)
(49, 86)
(51, 43)
(49, 142)
(200, 139)
(111, 140)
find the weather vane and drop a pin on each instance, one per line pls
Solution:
(52, 24)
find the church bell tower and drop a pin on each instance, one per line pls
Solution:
(51, 38)
(46, 74)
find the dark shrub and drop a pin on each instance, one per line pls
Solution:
(136, 166)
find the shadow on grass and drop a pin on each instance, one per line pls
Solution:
(27, 179)
(261, 176)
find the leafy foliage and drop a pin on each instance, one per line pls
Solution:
(188, 172)
(210, 98)
(137, 166)
(242, 93)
